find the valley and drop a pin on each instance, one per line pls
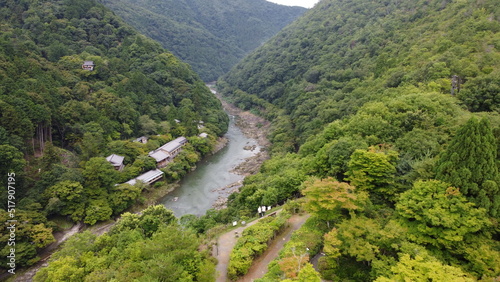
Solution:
(358, 143)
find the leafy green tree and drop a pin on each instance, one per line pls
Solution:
(373, 171)
(308, 274)
(100, 176)
(66, 198)
(122, 196)
(424, 268)
(326, 198)
(470, 163)
(11, 161)
(481, 93)
(439, 215)
(50, 156)
(97, 210)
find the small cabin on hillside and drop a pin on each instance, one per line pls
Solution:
(116, 161)
(142, 139)
(88, 65)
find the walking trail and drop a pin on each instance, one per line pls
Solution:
(227, 241)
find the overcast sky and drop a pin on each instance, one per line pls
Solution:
(303, 3)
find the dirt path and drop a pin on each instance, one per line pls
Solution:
(226, 242)
(259, 267)
(225, 245)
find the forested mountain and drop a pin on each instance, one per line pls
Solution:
(386, 120)
(210, 35)
(76, 85)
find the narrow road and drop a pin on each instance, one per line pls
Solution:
(227, 241)
(259, 266)
(60, 237)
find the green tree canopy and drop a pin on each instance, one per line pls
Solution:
(326, 198)
(439, 215)
(373, 170)
(470, 163)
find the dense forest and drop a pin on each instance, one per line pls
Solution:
(58, 121)
(386, 131)
(211, 36)
(386, 126)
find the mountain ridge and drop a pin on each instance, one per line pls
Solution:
(212, 35)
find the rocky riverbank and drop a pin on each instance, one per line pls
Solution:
(252, 126)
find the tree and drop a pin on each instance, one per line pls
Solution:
(309, 274)
(122, 196)
(327, 197)
(148, 222)
(424, 268)
(482, 93)
(469, 163)
(100, 176)
(439, 215)
(373, 171)
(292, 264)
(66, 198)
(97, 210)
(50, 156)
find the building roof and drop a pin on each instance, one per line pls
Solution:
(203, 135)
(146, 177)
(159, 155)
(88, 63)
(142, 139)
(174, 144)
(181, 140)
(115, 160)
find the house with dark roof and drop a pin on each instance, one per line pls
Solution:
(116, 161)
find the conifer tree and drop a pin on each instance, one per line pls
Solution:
(470, 164)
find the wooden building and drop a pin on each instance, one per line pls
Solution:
(116, 161)
(167, 152)
(88, 65)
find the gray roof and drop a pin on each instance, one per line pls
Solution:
(146, 177)
(173, 145)
(181, 140)
(159, 155)
(115, 159)
(140, 139)
(88, 62)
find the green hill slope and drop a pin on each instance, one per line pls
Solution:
(386, 120)
(58, 121)
(340, 46)
(211, 36)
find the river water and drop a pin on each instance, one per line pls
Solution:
(198, 189)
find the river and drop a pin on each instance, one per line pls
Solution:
(201, 188)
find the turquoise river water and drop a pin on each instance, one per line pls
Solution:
(200, 188)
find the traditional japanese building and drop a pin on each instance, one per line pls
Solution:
(116, 161)
(88, 65)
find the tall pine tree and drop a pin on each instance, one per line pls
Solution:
(470, 164)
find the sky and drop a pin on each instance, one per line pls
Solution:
(302, 3)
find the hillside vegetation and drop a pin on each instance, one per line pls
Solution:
(386, 121)
(211, 36)
(58, 121)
